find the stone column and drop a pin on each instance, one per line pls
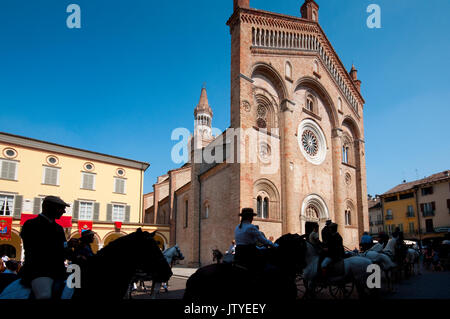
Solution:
(289, 214)
(337, 213)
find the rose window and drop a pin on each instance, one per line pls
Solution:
(310, 143)
(261, 123)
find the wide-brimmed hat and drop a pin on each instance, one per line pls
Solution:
(247, 212)
(56, 200)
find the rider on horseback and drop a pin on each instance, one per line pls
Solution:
(247, 235)
(46, 249)
(333, 248)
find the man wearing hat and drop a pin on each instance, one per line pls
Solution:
(326, 232)
(84, 250)
(247, 235)
(46, 249)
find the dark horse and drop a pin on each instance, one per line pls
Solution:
(217, 256)
(219, 282)
(103, 276)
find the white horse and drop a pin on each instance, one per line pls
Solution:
(412, 260)
(355, 269)
(375, 253)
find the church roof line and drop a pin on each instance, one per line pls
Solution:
(326, 51)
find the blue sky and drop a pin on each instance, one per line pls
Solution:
(133, 73)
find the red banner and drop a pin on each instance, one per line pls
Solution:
(64, 221)
(5, 227)
(84, 225)
(118, 225)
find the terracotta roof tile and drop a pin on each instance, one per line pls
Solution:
(406, 186)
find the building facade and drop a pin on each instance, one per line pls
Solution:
(434, 205)
(399, 209)
(295, 147)
(375, 215)
(105, 192)
(421, 208)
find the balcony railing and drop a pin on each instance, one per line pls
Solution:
(389, 217)
(428, 213)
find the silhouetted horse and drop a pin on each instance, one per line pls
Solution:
(104, 277)
(276, 280)
(217, 256)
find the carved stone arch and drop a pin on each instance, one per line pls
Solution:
(314, 202)
(319, 89)
(266, 109)
(265, 188)
(348, 148)
(351, 124)
(273, 76)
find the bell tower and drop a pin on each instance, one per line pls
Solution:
(310, 10)
(203, 118)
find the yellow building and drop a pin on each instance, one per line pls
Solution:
(420, 208)
(105, 192)
(400, 210)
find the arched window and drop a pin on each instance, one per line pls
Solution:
(314, 16)
(288, 70)
(339, 104)
(316, 67)
(310, 103)
(265, 213)
(345, 154)
(205, 211)
(348, 217)
(259, 206)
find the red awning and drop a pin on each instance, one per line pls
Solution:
(25, 217)
(64, 221)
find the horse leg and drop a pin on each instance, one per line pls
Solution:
(156, 286)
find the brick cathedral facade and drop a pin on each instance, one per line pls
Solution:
(294, 150)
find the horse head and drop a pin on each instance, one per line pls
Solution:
(151, 260)
(292, 250)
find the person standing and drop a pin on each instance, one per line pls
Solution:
(326, 232)
(246, 236)
(366, 241)
(314, 236)
(46, 250)
(84, 250)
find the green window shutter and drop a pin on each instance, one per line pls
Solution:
(37, 205)
(127, 213)
(96, 211)
(109, 212)
(75, 209)
(18, 202)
